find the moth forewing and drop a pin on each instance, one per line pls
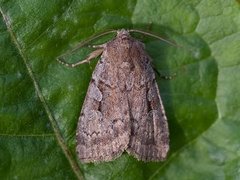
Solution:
(123, 109)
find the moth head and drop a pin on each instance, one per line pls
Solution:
(123, 34)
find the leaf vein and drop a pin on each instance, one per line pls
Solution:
(53, 122)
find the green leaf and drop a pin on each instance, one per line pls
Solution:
(41, 99)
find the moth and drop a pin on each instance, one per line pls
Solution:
(123, 110)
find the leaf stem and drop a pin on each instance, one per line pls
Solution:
(53, 122)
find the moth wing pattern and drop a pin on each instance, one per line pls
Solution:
(123, 109)
(104, 126)
(149, 140)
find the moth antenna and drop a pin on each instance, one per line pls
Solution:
(155, 36)
(83, 43)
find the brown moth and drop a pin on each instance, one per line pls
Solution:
(123, 110)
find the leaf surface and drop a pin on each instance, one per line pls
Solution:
(41, 100)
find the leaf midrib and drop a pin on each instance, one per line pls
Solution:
(53, 122)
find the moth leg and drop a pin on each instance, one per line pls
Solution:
(167, 77)
(163, 76)
(91, 56)
(98, 46)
